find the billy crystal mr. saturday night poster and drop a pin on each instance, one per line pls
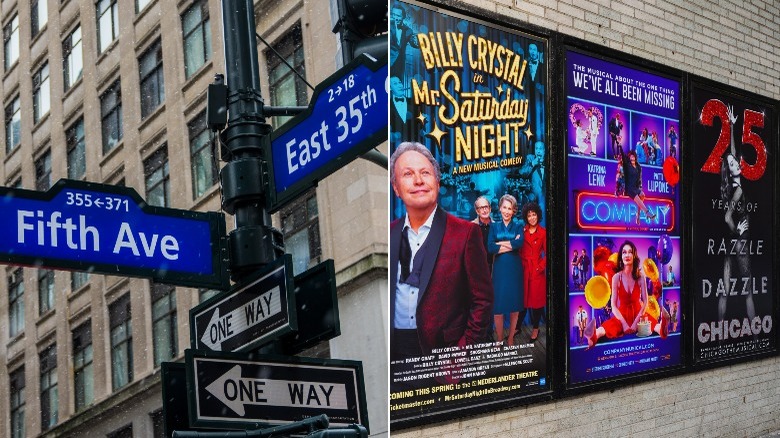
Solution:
(476, 96)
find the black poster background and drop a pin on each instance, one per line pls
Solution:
(733, 259)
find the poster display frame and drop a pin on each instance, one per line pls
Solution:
(692, 114)
(501, 23)
(558, 358)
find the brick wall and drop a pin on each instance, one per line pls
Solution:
(735, 43)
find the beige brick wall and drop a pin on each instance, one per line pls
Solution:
(736, 43)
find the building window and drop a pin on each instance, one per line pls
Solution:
(164, 322)
(78, 280)
(158, 424)
(77, 154)
(39, 16)
(16, 388)
(125, 432)
(121, 342)
(11, 42)
(15, 303)
(16, 184)
(141, 4)
(41, 93)
(13, 125)
(204, 294)
(150, 67)
(107, 23)
(45, 290)
(301, 229)
(72, 58)
(111, 115)
(83, 379)
(49, 398)
(202, 156)
(286, 88)
(197, 37)
(43, 172)
(158, 180)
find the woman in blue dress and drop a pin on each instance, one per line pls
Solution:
(504, 241)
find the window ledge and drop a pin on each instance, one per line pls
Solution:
(10, 68)
(206, 196)
(107, 50)
(46, 316)
(11, 153)
(151, 116)
(41, 121)
(140, 14)
(17, 338)
(37, 36)
(78, 292)
(115, 150)
(74, 86)
(197, 74)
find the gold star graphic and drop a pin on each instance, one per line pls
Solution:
(422, 118)
(500, 89)
(528, 133)
(436, 134)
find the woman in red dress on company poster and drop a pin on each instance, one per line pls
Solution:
(533, 255)
(629, 301)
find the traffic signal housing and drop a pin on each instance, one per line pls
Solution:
(362, 28)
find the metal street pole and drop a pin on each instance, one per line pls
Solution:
(254, 242)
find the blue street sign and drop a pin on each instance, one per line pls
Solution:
(107, 229)
(347, 117)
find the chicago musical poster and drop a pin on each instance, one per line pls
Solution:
(475, 96)
(734, 137)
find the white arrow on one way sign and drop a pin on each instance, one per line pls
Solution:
(236, 392)
(241, 319)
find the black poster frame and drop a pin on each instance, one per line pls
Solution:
(773, 152)
(557, 206)
(572, 44)
(474, 14)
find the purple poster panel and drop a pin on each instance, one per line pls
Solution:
(468, 306)
(623, 148)
(733, 139)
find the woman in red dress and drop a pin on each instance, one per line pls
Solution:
(629, 300)
(533, 255)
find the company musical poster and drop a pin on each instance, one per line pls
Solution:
(623, 152)
(734, 138)
(475, 97)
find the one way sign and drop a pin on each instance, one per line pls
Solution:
(231, 391)
(252, 313)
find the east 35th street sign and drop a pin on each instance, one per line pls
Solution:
(347, 117)
(252, 313)
(240, 391)
(107, 229)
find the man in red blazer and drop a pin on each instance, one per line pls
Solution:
(443, 297)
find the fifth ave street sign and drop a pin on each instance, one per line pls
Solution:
(252, 313)
(347, 117)
(238, 391)
(110, 230)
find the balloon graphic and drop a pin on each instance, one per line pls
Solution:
(600, 257)
(653, 309)
(597, 292)
(652, 254)
(651, 270)
(671, 171)
(665, 248)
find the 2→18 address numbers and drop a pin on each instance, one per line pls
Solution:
(349, 120)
